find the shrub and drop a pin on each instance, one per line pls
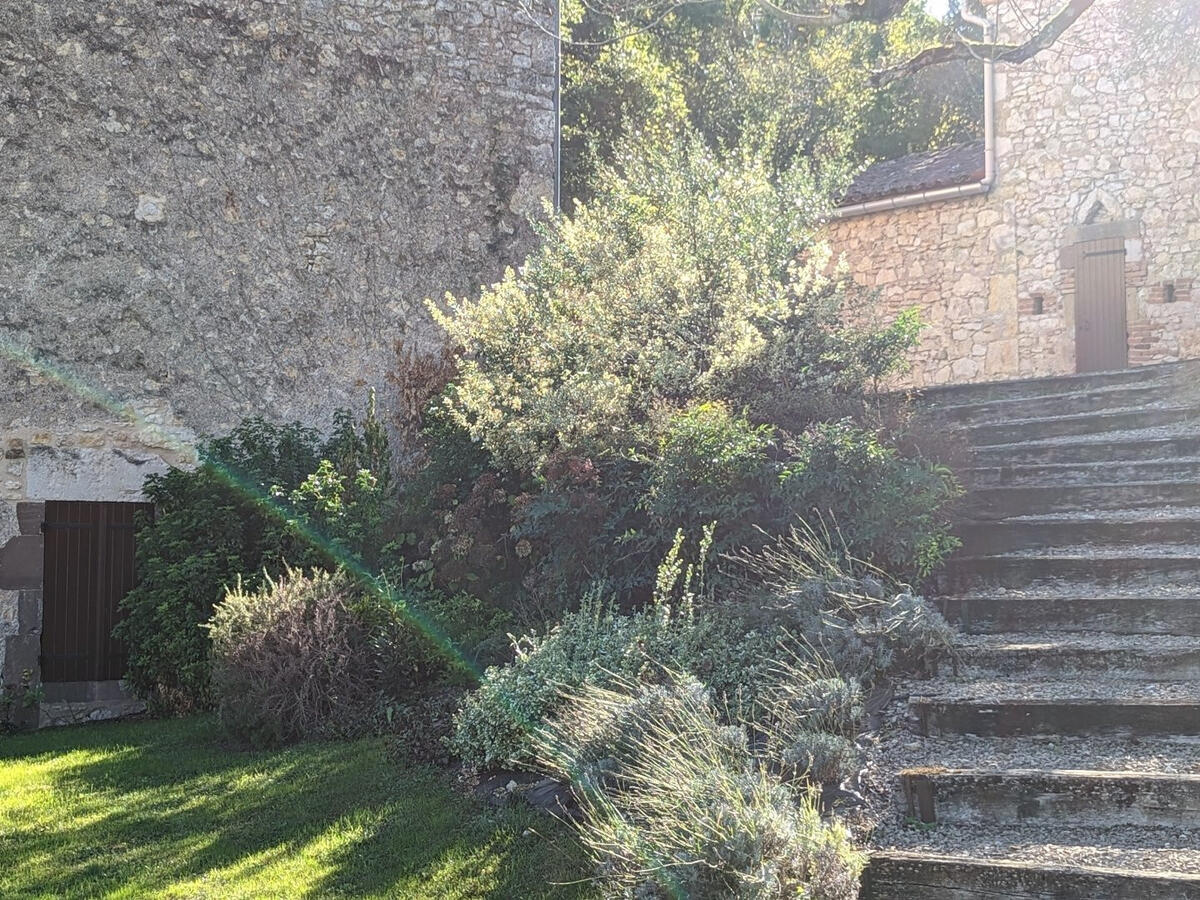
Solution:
(818, 756)
(263, 497)
(596, 645)
(686, 281)
(888, 509)
(682, 808)
(292, 660)
(211, 525)
(851, 617)
(832, 705)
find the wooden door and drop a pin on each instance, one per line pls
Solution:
(88, 569)
(1101, 341)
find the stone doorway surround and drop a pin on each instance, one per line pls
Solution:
(22, 560)
(1074, 239)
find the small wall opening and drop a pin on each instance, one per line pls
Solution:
(1169, 292)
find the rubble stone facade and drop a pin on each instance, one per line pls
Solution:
(213, 208)
(1095, 138)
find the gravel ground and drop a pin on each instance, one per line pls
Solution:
(1072, 590)
(1182, 429)
(1137, 514)
(1084, 552)
(1110, 687)
(1076, 641)
(1160, 849)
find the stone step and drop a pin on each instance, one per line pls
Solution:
(992, 503)
(1029, 388)
(1089, 571)
(1005, 707)
(1015, 796)
(1123, 396)
(1102, 472)
(1153, 527)
(993, 613)
(897, 875)
(1125, 420)
(1102, 448)
(1161, 755)
(1138, 657)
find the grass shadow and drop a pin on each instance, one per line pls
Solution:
(162, 808)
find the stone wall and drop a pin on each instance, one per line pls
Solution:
(213, 208)
(1095, 130)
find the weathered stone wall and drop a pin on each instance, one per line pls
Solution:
(212, 208)
(1094, 130)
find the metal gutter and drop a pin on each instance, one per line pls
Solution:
(973, 189)
(557, 105)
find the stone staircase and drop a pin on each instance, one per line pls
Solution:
(1061, 757)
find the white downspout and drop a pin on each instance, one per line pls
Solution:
(989, 148)
(989, 101)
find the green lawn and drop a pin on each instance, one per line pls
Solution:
(164, 809)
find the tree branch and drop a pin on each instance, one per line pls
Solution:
(868, 11)
(965, 49)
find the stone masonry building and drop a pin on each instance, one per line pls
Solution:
(212, 208)
(1083, 251)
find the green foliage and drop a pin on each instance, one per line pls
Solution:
(596, 645)
(888, 509)
(211, 526)
(710, 466)
(818, 757)
(321, 654)
(263, 497)
(789, 650)
(682, 808)
(679, 278)
(643, 371)
(746, 81)
(851, 616)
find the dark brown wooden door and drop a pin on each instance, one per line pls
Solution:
(1101, 342)
(89, 568)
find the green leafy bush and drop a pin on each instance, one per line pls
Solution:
(211, 526)
(888, 510)
(263, 497)
(817, 756)
(325, 654)
(665, 359)
(681, 279)
(853, 618)
(790, 652)
(682, 808)
(596, 645)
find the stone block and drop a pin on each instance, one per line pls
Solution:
(30, 517)
(21, 563)
(10, 614)
(29, 612)
(89, 473)
(21, 654)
